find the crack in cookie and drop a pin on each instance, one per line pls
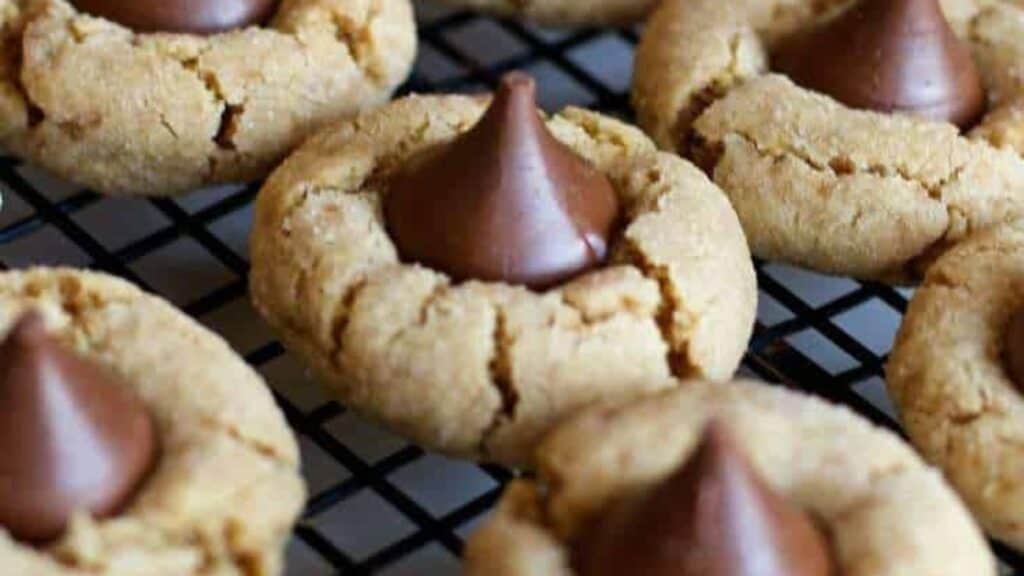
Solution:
(667, 314)
(500, 368)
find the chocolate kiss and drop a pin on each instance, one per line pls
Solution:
(1013, 349)
(891, 56)
(71, 438)
(187, 16)
(713, 517)
(505, 201)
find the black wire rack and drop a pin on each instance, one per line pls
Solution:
(377, 504)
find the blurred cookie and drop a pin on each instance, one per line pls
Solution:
(955, 375)
(799, 479)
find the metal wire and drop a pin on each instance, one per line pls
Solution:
(774, 354)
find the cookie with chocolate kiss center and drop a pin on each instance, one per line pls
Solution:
(712, 517)
(180, 16)
(889, 56)
(72, 438)
(503, 202)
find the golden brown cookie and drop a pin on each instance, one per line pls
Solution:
(950, 379)
(816, 183)
(563, 12)
(157, 114)
(481, 369)
(885, 511)
(225, 489)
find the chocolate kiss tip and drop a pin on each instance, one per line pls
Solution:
(504, 201)
(517, 80)
(889, 56)
(1013, 352)
(72, 438)
(712, 517)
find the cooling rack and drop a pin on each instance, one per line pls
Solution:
(379, 505)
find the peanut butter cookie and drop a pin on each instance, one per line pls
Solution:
(883, 511)
(165, 447)
(954, 375)
(828, 185)
(480, 368)
(157, 113)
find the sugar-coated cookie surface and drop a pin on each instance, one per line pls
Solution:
(816, 183)
(482, 369)
(225, 489)
(949, 380)
(156, 113)
(885, 511)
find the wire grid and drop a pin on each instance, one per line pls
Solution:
(378, 504)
